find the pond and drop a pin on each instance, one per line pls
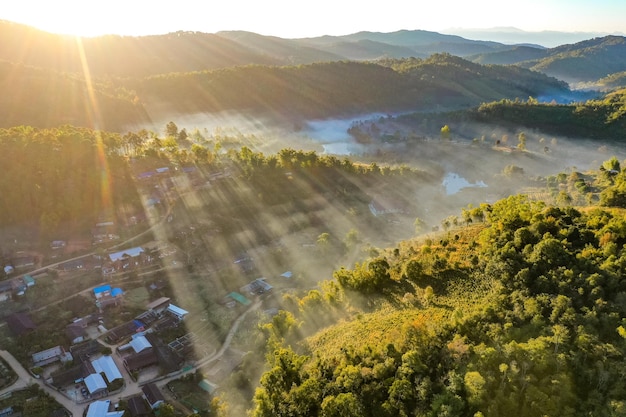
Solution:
(453, 183)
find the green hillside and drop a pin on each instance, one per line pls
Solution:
(340, 88)
(44, 98)
(520, 314)
(599, 119)
(583, 61)
(123, 56)
(512, 56)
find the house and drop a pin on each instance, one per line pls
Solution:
(20, 323)
(140, 343)
(159, 305)
(102, 409)
(256, 287)
(143, 359)
(75, 333)
(379, 208)
(147, 318)
(73, 265)
(126, 258)
(28, 280)
(177, 312)
(57, 244)
(87, 320)
(122, 331)
(137, 407)
(207, 386)
(106, 365)
(104, 231)
(101, 291)
(152, 395)
(239, 298)
(105, 295)
(48, 356)
(95, 384)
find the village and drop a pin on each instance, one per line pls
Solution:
(166, 296)
(136, 338)
(132, 362)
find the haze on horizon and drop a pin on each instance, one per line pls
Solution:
(288, 19)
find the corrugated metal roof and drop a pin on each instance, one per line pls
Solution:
(95, 383)
(132, 252)
(107, 365)
(140, 343)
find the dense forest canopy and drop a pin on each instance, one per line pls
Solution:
(520, 314)
(318, 90)
(603, 118)
(67, 175)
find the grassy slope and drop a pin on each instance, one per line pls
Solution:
(395, 312)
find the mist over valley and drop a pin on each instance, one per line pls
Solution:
(376, 224)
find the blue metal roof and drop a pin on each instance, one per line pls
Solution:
(102, 288)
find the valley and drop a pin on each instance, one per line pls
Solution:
(367, 225)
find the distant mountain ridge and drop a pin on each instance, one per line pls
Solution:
(127, 56)
(45, 81)
(513, 35)
(195, 51)
(585, 61)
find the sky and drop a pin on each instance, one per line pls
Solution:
(306, 18)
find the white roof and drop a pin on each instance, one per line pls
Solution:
(140, 343)
(177, 310)
(101, 409)
(54, 352)
(132, 252)
(94, 383)
(107, 365)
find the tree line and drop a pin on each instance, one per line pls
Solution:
(520, 314)
(602, 118)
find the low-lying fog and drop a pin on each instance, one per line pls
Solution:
(468, 160)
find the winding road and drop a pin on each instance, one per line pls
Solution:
(131, 388)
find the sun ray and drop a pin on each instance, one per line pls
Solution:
(94, 116)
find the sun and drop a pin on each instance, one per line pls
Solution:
(82, 18)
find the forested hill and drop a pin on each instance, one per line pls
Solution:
(128, 56)
(184, 51)
(597, 119)
(63, 176)
(43, 98)
(308, 91)
(519, 312)
(345, 88)
(584, 61)
(124, 56)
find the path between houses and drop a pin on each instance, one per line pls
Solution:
(25, 379)
(131, 388)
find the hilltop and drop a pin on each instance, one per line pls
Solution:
(516, 311)
(584, 61)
